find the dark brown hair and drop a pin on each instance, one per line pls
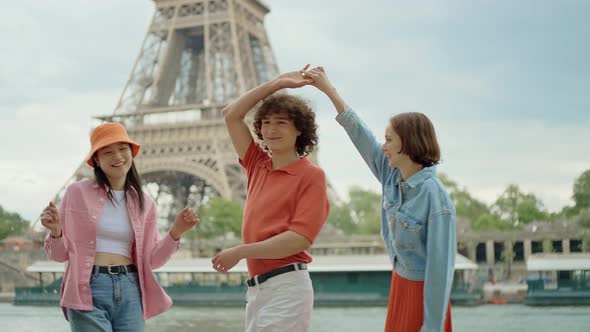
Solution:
(133, 180)
(297, 110)
(418, 138)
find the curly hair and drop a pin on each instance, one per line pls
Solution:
(297, 110)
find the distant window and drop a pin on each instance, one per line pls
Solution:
(480, 253)
(557, 245)
(518, 251)
(536, 247)
(575, 245)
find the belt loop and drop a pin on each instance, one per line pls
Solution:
(125, 269)
(296, 266)
(95, 269)
(256, 280)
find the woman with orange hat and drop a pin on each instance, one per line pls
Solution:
(106, 233)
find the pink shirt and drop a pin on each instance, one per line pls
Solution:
(80, 210)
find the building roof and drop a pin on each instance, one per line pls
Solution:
(17, 238)
(334, 263)
(558, 262)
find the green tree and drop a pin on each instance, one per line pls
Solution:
(581, 193)
(583, 218)
(11, 224)
(465, 205)
(360, 215)
(341, 218)
(490, 222)
(219, 218)
(567, 211)
(518, 208)
(366, 210)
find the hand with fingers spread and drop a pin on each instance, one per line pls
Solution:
(294, 79)
(50, 220)
(186, 219)
(227, 259)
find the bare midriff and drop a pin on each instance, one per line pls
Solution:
(106, 258)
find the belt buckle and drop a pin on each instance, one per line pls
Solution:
(109, 270)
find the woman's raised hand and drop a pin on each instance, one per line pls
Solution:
(320, 79)
(185, 220)
(295, 79)
(50, 219)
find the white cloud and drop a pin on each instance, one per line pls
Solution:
(42, 146)
(60, 76)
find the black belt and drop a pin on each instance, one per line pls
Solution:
(114, 269)
(257, 280)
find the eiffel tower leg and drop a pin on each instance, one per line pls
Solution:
(173, 191)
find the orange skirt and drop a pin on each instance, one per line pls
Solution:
(405, 312)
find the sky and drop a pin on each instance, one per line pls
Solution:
(505, 83)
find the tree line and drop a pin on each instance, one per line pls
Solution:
(361, 214)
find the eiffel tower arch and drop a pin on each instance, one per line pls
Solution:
(197, 56)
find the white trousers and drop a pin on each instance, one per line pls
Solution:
(282, 303)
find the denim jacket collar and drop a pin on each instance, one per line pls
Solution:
(420, 176)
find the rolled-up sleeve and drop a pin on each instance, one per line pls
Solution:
(162, 249)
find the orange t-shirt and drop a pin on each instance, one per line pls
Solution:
(290, 198)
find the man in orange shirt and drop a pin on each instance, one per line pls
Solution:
(286, 205)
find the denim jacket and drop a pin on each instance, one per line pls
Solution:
(417, 222)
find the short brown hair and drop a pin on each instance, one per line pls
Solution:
(418, 138)
(297, 110)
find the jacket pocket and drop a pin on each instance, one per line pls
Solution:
(408, 232)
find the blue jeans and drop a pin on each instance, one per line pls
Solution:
(117, 305)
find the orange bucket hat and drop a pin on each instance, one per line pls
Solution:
(107, 134)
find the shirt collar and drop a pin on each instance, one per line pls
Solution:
(96, 186)
(421, 176)
(293, 168)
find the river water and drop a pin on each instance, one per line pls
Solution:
(485, 318)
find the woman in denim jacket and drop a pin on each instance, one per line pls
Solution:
(106, 232)
(418, 217)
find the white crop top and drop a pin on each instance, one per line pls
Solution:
(114, 233)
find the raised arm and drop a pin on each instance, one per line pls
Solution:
(160, 250)
(363, 139)
(55, 245)
(235, 113)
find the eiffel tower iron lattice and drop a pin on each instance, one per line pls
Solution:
(196, 57)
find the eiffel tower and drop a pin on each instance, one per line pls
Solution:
(197, 56)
